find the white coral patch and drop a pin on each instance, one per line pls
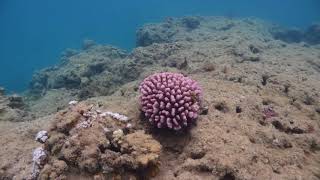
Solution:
(39, 157)
(72, 103)
(129, 125)
(42, 136)
(117, 134)
(117, 116)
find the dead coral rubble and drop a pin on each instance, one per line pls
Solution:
(84, 140)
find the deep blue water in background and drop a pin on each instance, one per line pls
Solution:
(33, 33)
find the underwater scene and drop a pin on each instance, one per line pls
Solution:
(159, 89)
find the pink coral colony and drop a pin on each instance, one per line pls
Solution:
(170, 100)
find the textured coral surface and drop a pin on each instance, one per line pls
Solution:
(170, 100)
(85, 139)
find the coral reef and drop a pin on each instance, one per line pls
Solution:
(85, 139)
(295, 35)
(198, 29)
(289, 35)
(170, 100)
(259, 117)
(86, 69)
(191, 22)
(88, 43)
(2, 91)
(312, 34)
(12, 108)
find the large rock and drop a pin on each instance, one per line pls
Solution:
(94, 66)
(195, 29)
(312, 34)
(293, 35)
(83, 138)
(12, 108)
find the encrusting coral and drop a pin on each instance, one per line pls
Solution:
(170, 100)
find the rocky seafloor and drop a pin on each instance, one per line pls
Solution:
(260, 117)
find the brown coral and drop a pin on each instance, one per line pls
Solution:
(84, 140)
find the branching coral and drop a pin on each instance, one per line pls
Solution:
(170, 100)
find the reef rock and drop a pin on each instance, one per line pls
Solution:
(195, 29)
(144, 149)
(12, 108)
(82, 138)
(86, 69)
(312, 34)
(2, 91)
(293, 35)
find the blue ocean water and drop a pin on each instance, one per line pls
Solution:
(34, 33)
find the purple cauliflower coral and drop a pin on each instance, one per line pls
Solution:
(170, 100)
